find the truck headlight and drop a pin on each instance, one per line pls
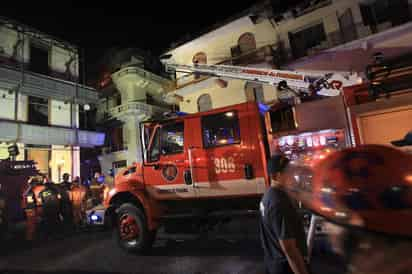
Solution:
(29, 199)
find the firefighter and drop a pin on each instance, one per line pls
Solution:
(78, 198)
(67, 210)
(365, 196)
(31, 206)
(66, 184)
(50, 198)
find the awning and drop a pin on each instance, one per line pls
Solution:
(11, 131)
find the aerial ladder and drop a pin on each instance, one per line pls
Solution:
(288, 83)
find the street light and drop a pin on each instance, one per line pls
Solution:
(86, 108)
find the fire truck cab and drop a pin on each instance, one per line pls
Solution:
(192, 165)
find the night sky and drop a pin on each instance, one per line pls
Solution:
(99, 25)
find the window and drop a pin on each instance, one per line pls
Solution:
(305, 39)
(172, 138)
(347, 26)
(199, 58)
(41, 155)
(204, 103)
(220, 129)
(118, 100)
(377, 12)
(39, 59)
(247, 42)
(283, 119)
(119, 164)
(38, 111)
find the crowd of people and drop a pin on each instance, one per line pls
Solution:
(58, 208)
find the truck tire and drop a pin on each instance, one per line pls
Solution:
(132, 233)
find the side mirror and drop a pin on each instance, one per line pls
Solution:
(156, 166)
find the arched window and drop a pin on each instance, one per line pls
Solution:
(204, 103)
(199, 58)
(247, 42)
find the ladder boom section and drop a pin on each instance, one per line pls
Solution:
(261, 75)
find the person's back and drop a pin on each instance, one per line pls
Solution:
(66, 184)
(51, 207)
(280, 220)
(78, 197)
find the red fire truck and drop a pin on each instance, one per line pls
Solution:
(215, 163)
(212, 165)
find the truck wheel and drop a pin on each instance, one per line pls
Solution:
(131, 231)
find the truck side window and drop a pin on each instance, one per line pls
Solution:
(283, 119)
(220, 129)
(172, 139)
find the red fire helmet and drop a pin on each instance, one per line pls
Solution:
(369, 187)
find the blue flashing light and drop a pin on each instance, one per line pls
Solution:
(263, 108)
(94, 218)
(179, 113)
(100, 179)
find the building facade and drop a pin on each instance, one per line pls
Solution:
(264, 36)
(42, 101)
(131, 85)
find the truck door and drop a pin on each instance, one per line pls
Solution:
(227, 153)
(165, 163)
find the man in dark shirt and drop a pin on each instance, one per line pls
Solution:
(281, 229)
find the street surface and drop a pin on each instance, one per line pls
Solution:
(96, 252)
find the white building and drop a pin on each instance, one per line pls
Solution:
(131, 93)
(41, 100)
(293, 39)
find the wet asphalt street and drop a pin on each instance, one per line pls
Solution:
(96, 252)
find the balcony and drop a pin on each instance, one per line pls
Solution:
(11, 131)
(114, 148)
(137, 109)
(38, 85)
